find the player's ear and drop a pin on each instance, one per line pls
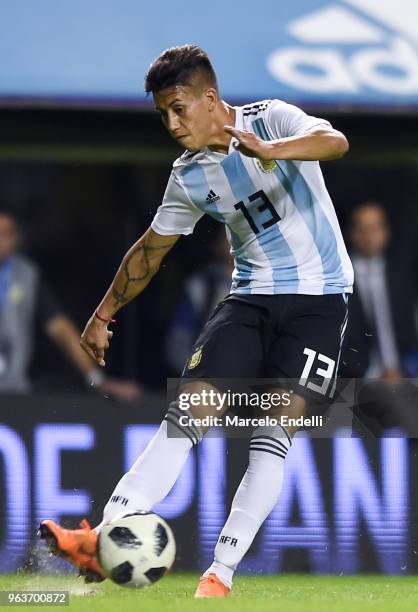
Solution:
(211, 96)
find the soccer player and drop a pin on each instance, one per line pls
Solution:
(254, 169)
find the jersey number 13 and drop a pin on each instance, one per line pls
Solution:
(265, 204)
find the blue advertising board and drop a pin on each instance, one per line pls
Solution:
(348, 504)
(338, 53)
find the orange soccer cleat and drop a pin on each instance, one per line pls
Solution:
(211, 586)
(77, 546)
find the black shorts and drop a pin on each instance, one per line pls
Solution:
(297, 337)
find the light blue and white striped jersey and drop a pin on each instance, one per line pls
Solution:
(279, 219)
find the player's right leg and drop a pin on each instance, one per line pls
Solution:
(148, 481)
(77, 546)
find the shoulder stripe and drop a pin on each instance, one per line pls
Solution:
(257, 104)
(260, 129)
(255, 109)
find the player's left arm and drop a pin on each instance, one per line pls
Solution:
(321, 144)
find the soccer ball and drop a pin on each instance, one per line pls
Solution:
(136, 549)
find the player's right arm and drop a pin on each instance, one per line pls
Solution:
(176, 216)
(294, 136)
(138, 266)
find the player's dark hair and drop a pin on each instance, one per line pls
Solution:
(178, 66)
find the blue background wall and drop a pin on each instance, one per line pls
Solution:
(336, 53)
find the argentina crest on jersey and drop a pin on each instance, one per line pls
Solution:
(267, 165)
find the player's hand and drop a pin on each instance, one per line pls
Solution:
(95, 340)
(249, 143)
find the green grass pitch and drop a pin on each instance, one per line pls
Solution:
(290, 593)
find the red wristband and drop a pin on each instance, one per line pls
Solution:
(96, 314)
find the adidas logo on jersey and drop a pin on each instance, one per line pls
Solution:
(211, 198)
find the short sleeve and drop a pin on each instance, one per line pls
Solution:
(287, 120)
(177, 214)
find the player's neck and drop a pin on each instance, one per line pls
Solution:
(219, 139)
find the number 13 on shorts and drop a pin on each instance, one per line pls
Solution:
(313, 359)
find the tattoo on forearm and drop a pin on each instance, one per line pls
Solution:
(147, 252)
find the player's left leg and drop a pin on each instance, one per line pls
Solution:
(309, 337)
(255, 498)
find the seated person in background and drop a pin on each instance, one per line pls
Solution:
(201, 292)
(381, 333)
(25, 301)
(381, 336)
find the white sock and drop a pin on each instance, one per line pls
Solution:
(255, 498)
(154, 473)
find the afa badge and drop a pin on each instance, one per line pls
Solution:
(267, 165)
(195, 359)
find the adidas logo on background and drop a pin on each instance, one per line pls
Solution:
(351, 46)
(211, 198)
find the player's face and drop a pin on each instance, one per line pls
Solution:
(370, 231)
(186, 113)
(8, 236)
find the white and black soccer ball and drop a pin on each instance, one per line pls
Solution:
(136, 549)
